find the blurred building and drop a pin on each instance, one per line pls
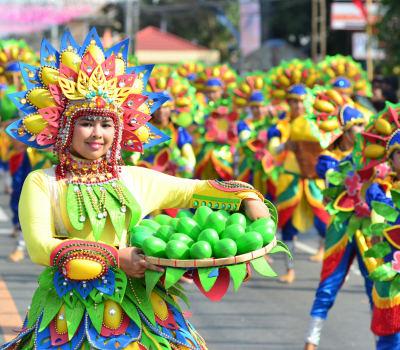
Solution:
(269, 55)
(157, 46)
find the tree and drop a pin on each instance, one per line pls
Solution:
(389, 32)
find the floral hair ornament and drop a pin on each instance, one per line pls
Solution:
(380, 138)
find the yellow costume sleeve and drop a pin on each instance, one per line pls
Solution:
(187, 151)
(36, 219)
(154, 190)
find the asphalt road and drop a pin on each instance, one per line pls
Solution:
(262, 314)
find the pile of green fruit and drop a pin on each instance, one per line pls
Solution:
(205, 234)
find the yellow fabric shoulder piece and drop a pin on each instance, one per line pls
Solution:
(214, 198)
(301, 130)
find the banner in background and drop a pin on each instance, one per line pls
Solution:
(347, 16)
(250, 26)
(360, 41)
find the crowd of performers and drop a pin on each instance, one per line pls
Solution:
(305, 135)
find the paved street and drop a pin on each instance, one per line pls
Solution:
(263, 314)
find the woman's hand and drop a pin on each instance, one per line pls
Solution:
(255, 209)
(133, 264)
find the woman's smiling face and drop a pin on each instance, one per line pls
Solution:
(92, 138)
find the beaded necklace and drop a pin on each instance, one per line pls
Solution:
(95, 193)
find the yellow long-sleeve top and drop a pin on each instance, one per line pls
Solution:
(43, 206)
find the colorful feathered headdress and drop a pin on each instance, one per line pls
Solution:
(251, 91)
(345, 75)
(13, 51)
(380, 138)
(85, 80)
(288, 74)
(217, 77)
(335, 114)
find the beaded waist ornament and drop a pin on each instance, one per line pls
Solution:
(88, 81)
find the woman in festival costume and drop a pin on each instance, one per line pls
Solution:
(348, 233)
(379, 143)
(278, 81)
(299, 196)
(174, 157)
(92, 293)
(335, 114)
(255, 161)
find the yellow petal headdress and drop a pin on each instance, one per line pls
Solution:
(85, 80)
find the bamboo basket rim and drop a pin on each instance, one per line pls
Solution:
(212, 261)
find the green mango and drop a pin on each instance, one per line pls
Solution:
(267, 233)
(150, 224)
(143, 229)
(154, 246)
(173, 222)
(225, 248)
(236, 219)
(162, 219)
(183, 238)
(224, 213)
(262, 222)
(136, 240)
(233, 232)
(201, 250)
(249, 242)
(177, 250)
(209, 235)
(189, 227)
(215, 221)
(165, 232)
(184, 214)
(201, 215)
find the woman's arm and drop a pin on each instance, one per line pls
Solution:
(159, 191)
(36, 219)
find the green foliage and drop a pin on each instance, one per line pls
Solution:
(378, 250)
(389, 32)
(382, 273)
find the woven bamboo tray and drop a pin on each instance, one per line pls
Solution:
(212, 262)
(307, 153)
